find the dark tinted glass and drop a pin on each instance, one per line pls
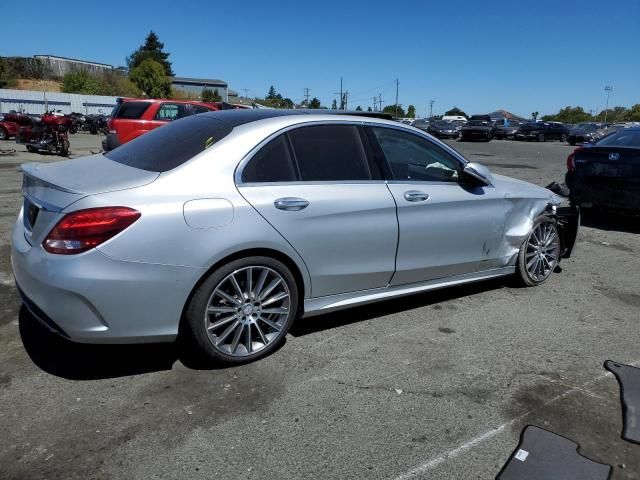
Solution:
(132, 110)
(622, 138)
(414, 158)
(199, 109)
(273, 163)
(171, 145)
(330, 152)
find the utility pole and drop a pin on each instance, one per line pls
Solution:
(346, 100)
(380, 101)
(341, 98)
(431, 102)
(397, 83)
(246, 92)
(306, 97)
(607, 89)
(374, 104)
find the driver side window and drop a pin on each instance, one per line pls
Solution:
(412, 158)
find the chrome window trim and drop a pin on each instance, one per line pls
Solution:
(247, 158)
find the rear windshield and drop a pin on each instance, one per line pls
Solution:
(130, 110)
(622, 138)
(171, 145)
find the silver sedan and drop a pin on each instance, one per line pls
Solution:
(222, 228)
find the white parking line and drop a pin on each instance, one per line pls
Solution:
(443, 457)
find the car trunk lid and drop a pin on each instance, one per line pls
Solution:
(608, 165)
(50, 188)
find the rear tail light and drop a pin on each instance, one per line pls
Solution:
(571, 165)
(83, 230)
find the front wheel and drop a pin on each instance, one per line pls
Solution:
(3, 134)
(539, 253)
(242, 311)
(563, 138)
(541, 137)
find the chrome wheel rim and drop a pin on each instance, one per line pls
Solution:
(541, 255)
(247, 311)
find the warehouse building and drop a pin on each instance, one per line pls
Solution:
(60, 66)
(36, 103)
(194, 86)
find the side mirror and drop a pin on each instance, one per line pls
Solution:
(477, 173)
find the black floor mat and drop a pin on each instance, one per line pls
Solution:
(629, 380)
(544, 455)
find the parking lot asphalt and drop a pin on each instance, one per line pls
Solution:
(438, 385)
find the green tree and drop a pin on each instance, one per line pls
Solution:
(369, 109)
(82, 82)
(358, 108)
(334, 105)
(152, 49)
(534, 115)
(151, 79)
(272, 95)
(569, 115)
(209, 95)
(456, 111)
(391, 109)
(633, 114)
(411, 111)
(4, 74)
(314, 103)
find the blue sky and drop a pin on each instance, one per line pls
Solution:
(478, 55)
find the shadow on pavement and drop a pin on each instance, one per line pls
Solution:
(610, 221)
(346, 317)
(75, 361)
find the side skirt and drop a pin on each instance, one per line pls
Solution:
(320, 305)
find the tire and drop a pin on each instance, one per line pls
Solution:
(4, 135)
(563, 137)
(531, 269)
(541, 137)
(244, 333)
(572, 143)
(32, 149)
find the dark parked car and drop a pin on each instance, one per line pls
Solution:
(479, 127)
(542, 131)
(606, 174)
(582, 133)
(502, 131)
(443, 129)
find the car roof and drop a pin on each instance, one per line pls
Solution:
(239, 117)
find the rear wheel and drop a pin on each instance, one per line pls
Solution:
(3, 134)
(539, 253)
(242, 311)
(541, 137)
(563, 137)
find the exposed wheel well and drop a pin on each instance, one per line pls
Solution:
(262, 252)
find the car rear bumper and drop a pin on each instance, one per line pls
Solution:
(588, 193)
(92, 298)
(110, 142)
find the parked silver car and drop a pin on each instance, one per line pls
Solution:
(222, 228)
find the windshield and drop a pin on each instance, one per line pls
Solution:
(443, 124)
(622, 138)
(172, 145)
(477, 123)
(587, 127)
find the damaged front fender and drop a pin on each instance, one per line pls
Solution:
(568, 220)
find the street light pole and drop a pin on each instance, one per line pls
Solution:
(607, 89)
(431, 102)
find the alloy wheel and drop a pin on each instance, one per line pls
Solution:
(543, 248)
(247, 311)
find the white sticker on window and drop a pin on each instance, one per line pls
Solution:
(522, 455)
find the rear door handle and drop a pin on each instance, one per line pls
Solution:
(291, 204)
(416, 196)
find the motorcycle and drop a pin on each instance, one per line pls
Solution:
(95, 123)
(49, 134)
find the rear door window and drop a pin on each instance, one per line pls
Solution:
(199, 109)
(165, 148)
(131, 110)
(169, 112)
(329, 153)
(273, 163)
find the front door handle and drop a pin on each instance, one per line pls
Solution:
(416, 196)
(291, 204)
